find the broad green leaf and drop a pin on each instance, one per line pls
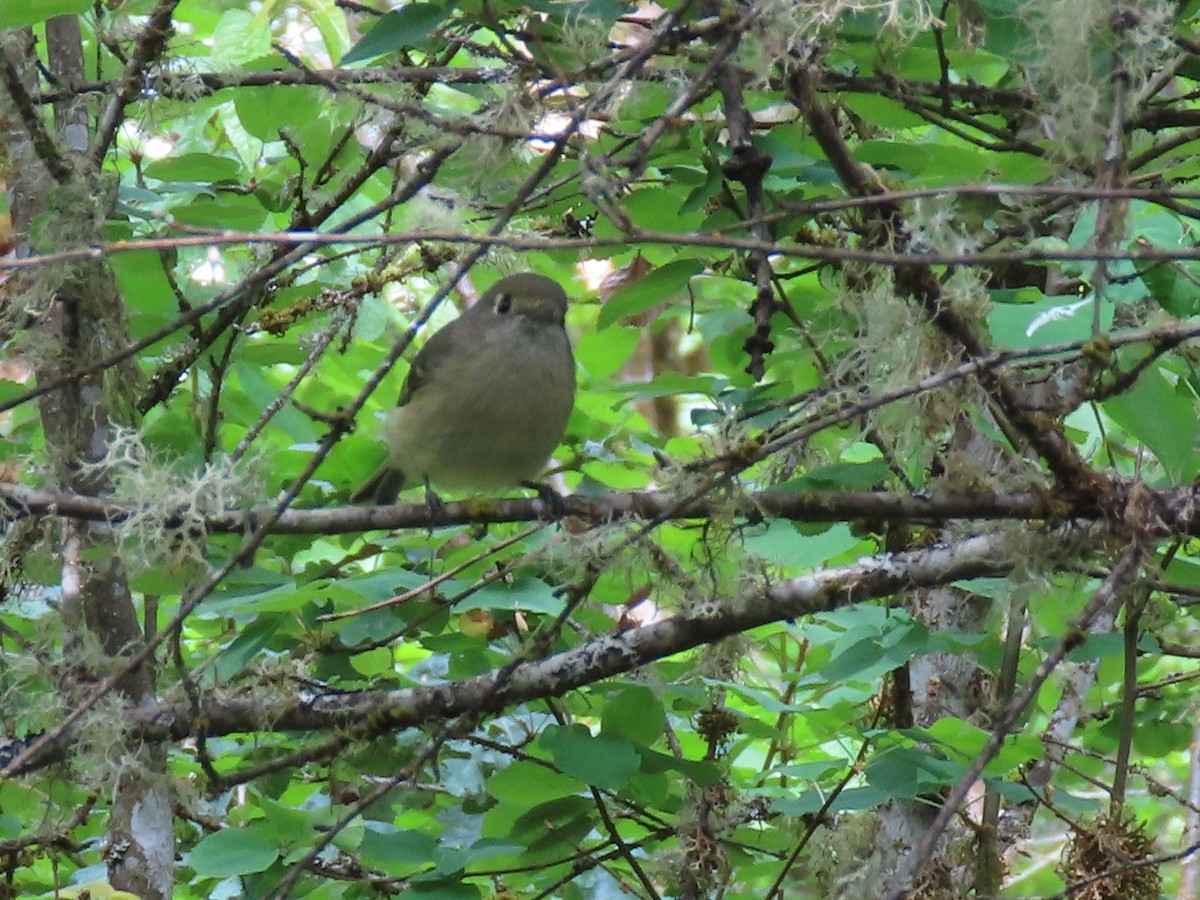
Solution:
(526, 594)
(17, 798)
(859, 798)
(377, 662)
(702, 772)
(21, 13)
(782, 542)
(839, 477)
(238, 38)
(899, 772)
(1184, 571)
(1156, 226)
(441, 889)
(530, 783)
(1162, 415)
(671, 384)
(234, 851)
(410, 27)
(1173, 286)
(805, 804)
(223, 213)
(814, 769)
(884, 111)
(617, 476)
(196, 167)
(1004, 30)
(873, 656)
(146, 289)
(660, 208)
(246, 646)
(604, 761)
(1049, 321)
(1094, 646)
(1159, 738)
(947, 165)
(546, 827)
(257, 392)
(397, 850)
(965, 741)
(331, 22)
(636, 714)
(659, 286)
(266, 111)
(603, 352)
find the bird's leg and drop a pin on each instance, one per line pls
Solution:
(554, 505)
(433, 504)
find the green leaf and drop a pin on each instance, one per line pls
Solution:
(238, 38)
(805, 804)
(195, 167)
(442, 889)
(659, 286)
(143, 283)
(266, 111)
(782, 542)
(660, 209)
(377, 662)
(410, 27)
(948, 165)
(871, 657)
(224, 213)
(248, 598)
(965, 741)
(524, 593)
(881, 110)
(331, 22)
(1005, 31)
(397, 850)
(1159, 738)
(604, 761)
(550, 826)
(1161, 413)
(634, 713)
(246, 646)
(1173, 286)
(1156, 226)
(256, 392)
(702, 772)
(529, 783)
(853, 799)
(21, 13)
(603, 352)
(839, 477)
(234, 851)
(898, 772)
(1095, 646)
(17, 797)
(1184, 572)
(672, 384)
(1049, 321)
(618, 475)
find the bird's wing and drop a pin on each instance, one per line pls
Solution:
(429, 361)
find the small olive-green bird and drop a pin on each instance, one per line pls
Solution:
(487, 398)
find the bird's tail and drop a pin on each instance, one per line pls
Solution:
(382, 488)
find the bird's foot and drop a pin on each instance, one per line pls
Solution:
(434, 507)
(554, 505)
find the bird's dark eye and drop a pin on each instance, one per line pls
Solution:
(503, 304)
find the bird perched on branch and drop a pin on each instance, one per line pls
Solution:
(487, 398)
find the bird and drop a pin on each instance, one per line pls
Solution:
(486, 399)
